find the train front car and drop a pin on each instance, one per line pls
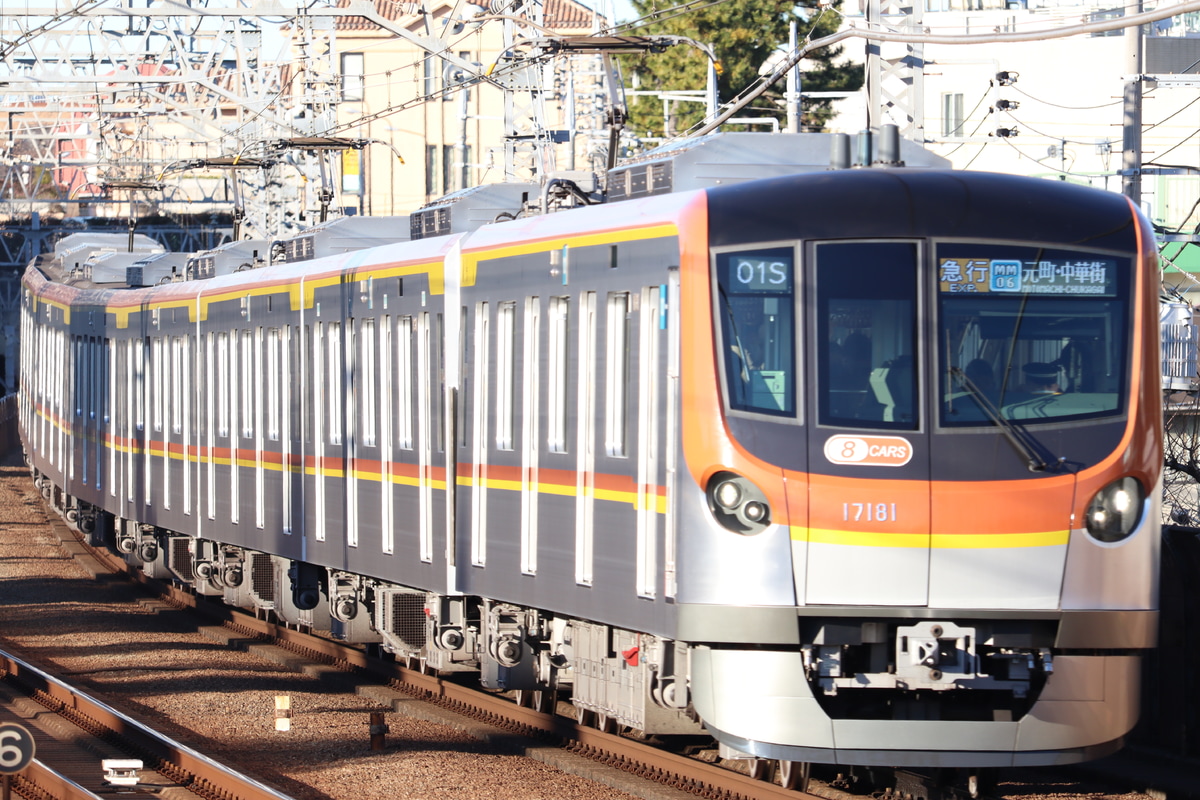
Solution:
(925, 443)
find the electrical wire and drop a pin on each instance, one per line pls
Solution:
(1029, 127)
(1170, 166)
(1178, 145)
(1188, 216)
(881, 35)
(977, 155)
(1059, 105)
(1168, 119)
(982, 120)
(662, 16)
(1022, 154)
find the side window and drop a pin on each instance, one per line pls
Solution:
(405, 403)
(178, 368)
(756, 307)
(616, 377)
(334, 382)
(157, 383)
(506, 326)
(556, 381)
(223, 384)
(368, 385)
(866, 325)
(251, 386)
(273, 378)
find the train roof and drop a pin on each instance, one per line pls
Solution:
(905, 203)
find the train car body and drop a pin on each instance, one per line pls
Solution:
(853, 467)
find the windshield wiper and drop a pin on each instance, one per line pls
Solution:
(1018, 437)
(738, 348)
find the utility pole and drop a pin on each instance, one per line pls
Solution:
(1131, 140)
(793, 84)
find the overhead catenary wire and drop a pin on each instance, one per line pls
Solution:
(883, 35)
(662, 15)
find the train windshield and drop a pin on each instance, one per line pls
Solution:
(866, 311)
(756, 306)
(1030, 335)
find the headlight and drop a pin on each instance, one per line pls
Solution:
(738, 504)
(1116, 510)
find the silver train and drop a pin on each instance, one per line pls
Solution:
(855, 467)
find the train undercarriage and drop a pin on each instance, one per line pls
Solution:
(616, 679)
(613, 677)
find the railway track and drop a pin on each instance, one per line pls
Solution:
(83, 732)
(542, 727)
(556, 740)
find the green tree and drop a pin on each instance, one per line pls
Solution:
(742, 34)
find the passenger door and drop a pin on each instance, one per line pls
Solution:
(869, 533)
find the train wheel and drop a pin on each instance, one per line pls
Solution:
(763, 769)
(794, 775)
(538, 700)
(979, 784)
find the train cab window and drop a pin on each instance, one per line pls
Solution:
(1030, 334)
(756, 309)
(866, 325)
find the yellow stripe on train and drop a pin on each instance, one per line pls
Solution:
(940, 541)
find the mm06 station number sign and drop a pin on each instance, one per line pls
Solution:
(16, 748)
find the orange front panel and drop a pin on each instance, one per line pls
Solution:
(868, 541)
(984, 514)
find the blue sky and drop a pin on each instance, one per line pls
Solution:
(623, 10)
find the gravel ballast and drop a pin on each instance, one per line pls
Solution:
(155, 664)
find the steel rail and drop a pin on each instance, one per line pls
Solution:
(179, 762)
(40, 780)
(630, 755)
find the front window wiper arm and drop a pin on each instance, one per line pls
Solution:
(738, 347)
(1018, 437)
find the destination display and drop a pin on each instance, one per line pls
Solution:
(762, 271)
(1093, 277)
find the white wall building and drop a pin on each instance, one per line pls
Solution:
(1059, 111)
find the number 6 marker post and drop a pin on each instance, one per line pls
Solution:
(16, 752)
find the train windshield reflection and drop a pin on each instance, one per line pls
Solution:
(1039, 335)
